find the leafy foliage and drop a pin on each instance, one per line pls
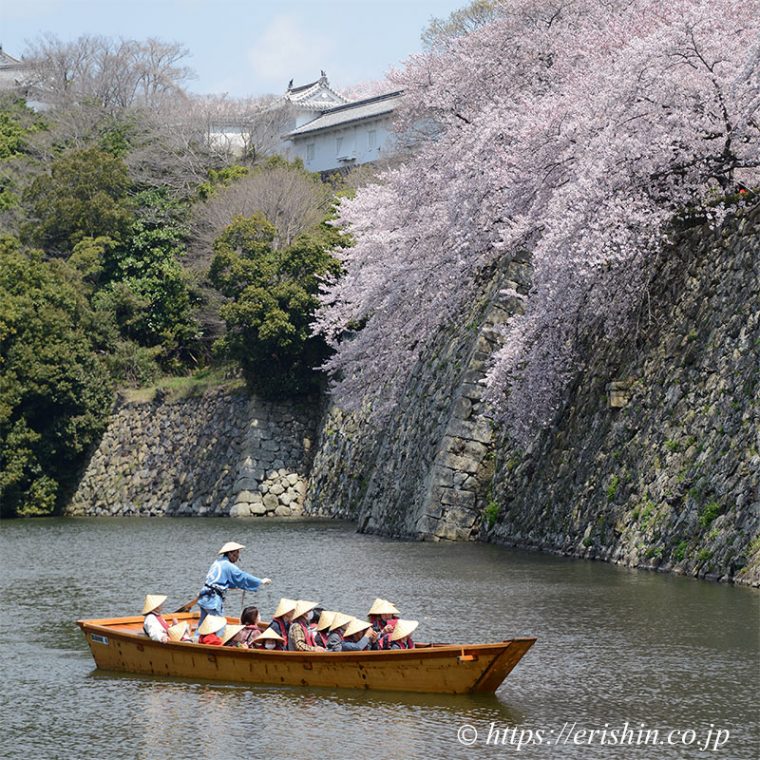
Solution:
(146, 287)
(84, 196)
(273, 294)
(103, 187)
(55, 392)
(220, 178)
(17, 125)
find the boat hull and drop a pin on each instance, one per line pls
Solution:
(118, 644)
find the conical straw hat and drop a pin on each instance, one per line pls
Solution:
(230, 546)
(176, 632)
(356, 625)
(302, 607)
(230, 631)
(152, 602)
(339, 621)
(403, 628)
(376, 606)
(325, 620)
(212, 624)
(383, 607)
(269, 634)
(285, 606)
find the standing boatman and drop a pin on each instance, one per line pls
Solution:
(223, 575)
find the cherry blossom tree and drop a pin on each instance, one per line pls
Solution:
(576, 130)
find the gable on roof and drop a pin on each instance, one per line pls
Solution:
(316, 96)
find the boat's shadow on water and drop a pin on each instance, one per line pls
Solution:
(476, 706)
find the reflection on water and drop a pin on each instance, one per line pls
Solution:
(613, 645)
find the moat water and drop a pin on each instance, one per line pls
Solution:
(622, 651)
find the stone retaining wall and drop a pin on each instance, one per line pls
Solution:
(653, 463)
(216, 455)
(425, 472)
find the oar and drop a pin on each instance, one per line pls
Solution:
(187, 606)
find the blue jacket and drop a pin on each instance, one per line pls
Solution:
(334, 641)
(223, 575)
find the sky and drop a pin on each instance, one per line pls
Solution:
(244, 48)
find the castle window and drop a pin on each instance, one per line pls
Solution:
(310, 152)
(338, 146)
(372, 139)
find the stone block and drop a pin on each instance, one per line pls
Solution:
(271, 502)
(258, 509)
(277, 489)
(463, 499)
(473, 391)
(283, 511)
(240, 510)
(619, 393)
(463, 408)
(460, 463)
(477, 430)
(442, 476)
(247, 483)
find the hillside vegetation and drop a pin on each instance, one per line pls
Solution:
(133, 249)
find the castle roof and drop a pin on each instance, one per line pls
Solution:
(8, 61)
(350, 112)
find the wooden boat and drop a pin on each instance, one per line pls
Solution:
(119, 644)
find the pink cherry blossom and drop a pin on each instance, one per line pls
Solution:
(575, 130)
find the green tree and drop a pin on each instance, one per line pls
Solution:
(55, 392)
(85, 195)
(17, 124)
(147, 289)
(273, 295)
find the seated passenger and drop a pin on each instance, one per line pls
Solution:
(154, 624)
(322, 633)
(401, 638)
(385, 616)
(250, 630)
(281, 619)
(210, 628)
(230, 632)
(300, 637)
(180, 632)
(337, 628)
(374, 614)
(268, 640)
(358, 636)
(313, 618)
(389, 616)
